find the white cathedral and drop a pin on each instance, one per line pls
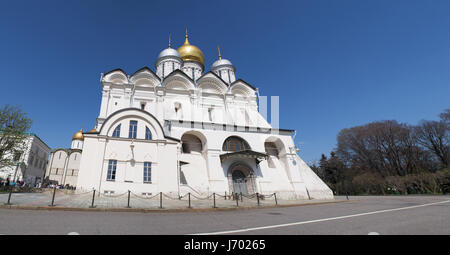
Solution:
(183, 130)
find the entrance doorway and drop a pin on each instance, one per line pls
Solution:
(241, 179)
(239, 182)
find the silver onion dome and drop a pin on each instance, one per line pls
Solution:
(221, 62)
(169, 52)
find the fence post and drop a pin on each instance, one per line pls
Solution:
(128, 204)
(237, 199)
(189, 197)
(53, 197)
(275, 195)
(214, 199)
(257, 197)
(225, 195)
(160, 200)
(93, 197)
(242, 200)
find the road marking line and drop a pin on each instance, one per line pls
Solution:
(373, 234)
(319, 220)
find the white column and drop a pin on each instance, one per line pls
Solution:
(104, 104)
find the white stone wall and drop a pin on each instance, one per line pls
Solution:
(226, 74)
(64, 166)
(35, 159)
(77, 144)
(192, 69)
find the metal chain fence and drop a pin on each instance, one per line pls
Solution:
(129, 199)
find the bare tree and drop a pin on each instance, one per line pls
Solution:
(385, 147)
(435, 137)
(445, 116)
(13, 125)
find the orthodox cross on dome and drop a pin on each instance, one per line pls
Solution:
(169, 40)
(186, 36)
(218, 49)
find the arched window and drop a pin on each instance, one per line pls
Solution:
(116, 132)
(191, 143)
(271, 149)
(234, 143)
(148, 134)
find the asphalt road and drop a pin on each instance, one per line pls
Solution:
(384, 215)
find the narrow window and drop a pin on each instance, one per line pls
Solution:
(133, 129)
(147, 172)
(178, 111)
(112, 165)
(142, 106)
(210, 113)
(148, 134)
(116, 132)
(75, 157)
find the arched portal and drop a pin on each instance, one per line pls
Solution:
(241, 179)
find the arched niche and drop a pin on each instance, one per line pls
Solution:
(193, 142)
(235, 143)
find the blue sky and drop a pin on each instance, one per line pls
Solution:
(334, 64)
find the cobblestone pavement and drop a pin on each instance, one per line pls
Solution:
(67, 199)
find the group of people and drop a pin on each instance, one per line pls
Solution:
(12, 183)
(7, 183)
(58, 186)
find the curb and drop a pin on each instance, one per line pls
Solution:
(144, 210)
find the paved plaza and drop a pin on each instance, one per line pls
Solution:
(361, 215)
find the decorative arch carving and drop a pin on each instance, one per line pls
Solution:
(117, 76)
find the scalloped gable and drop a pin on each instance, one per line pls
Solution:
(178, 77)
(212, 83)
(144, 77)
(146, 69)
(240, 87)
(244, 82)
(115, 76)
(215, 75)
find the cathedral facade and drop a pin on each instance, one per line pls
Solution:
(181, 129)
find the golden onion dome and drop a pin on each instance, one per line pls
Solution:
(78, 135)
(190, 52)
(93, 130)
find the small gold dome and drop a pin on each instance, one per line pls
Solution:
(190, 52)
(78, 135)
(94, 129)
